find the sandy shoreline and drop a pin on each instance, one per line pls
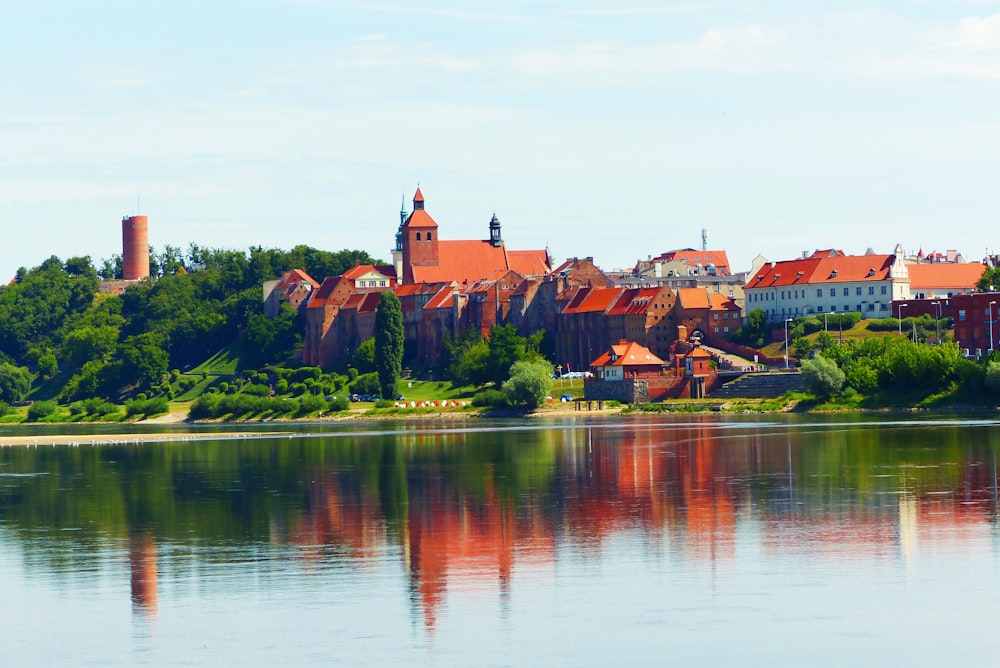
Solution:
(124, 439)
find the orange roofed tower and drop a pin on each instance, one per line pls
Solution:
(420, 239)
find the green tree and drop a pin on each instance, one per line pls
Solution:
(88, 343)
(993, 377)
(389, 343)
(990, 280)
(822, 375)
(505, 347)
(15, 383)
(364, 356)
(529, 383)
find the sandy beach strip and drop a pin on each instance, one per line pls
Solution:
(126, 439)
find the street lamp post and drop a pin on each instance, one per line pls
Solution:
(899, 317)
(787, 320)
(937, 323)
(991, 326)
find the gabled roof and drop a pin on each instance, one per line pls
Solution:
(445, 298)
(293, 276)
(467, 262)
(721, 302)
(833, 268)
(360, 270)
(633, 301)
(591, 300)
(693, 298)
(627, 353)
(945, 275)
(420, 219)
(321, 295)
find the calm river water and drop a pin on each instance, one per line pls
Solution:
(654, 540)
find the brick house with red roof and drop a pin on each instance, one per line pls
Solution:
(707, 315)
(294, 288)
(594, 317)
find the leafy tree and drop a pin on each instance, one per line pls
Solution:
(389, 343)
(88, 343)
(529, 383)
(48, 366)
(473, 367)
(15, 383)
(364, 356)
(993, 377)
(990, 280)
(505, 347)
(368, 383)
(803, 348)
(141, 360)
(823, 377)
(270, 341)
(823, 341)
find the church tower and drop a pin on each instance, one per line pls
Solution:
(495, 239)
(420, 239)
(397, 251)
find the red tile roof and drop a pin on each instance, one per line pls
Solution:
(826, 269)
(420, 219)
(945, 275)
(590, 300)
(721, 302)
(628, 353)
(320, 296)
(360, 270)
(466, 262)
(297, 276)
(445, 298)
(634, 301)
(692, 298)
(418, 196)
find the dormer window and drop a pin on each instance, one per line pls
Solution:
(871, 272)
(833, 274)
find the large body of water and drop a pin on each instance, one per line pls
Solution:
(653, 540)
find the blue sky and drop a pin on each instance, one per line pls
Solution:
(611, 129)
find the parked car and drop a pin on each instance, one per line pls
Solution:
(566, 397)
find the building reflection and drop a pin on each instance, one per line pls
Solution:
(690, 485)
(144, 574)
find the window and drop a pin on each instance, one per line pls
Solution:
(418, 236)
(716, 330)
(725, 330)
(847, 291)
(858, 308)
(716, 316)
(819, 292)
(847, 307)
(871, 307)
(961, 315)
(382, 283)
(782, 294)
(883, 289)
(428, 236)
(833, 292)
(857, 291)
(871, 289)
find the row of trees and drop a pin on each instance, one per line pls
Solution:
(52, 320)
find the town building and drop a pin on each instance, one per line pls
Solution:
(293, 288)
(829, 281)
(976, 328)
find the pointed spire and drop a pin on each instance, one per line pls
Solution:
(418, 200)
(495, 239)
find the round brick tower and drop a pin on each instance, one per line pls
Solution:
(135, 247)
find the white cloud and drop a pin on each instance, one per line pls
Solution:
(741, 49)
(980, 33)
(373, 37)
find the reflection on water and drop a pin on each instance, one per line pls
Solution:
(461, 544)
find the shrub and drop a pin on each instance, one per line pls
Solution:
(338, 404)
(302, 374)
(41, 409)
(256, 390)
(224, 387)
(489, 399)
(146, 407)
(309, 405)
(530, 381)
(5, 408)
(993, 377)
(383, 403)
(297, 389)
(367, 384)
(281, 387)
(823, 377)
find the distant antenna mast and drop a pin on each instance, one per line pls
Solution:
(704, 239)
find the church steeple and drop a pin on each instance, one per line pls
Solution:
(402, 219)
(495, 239)
(418, 200)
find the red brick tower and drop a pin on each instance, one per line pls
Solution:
(420, 239)
(135, 247)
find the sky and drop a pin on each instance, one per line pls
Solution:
(612, 129)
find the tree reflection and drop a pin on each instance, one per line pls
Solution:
(479, 506)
